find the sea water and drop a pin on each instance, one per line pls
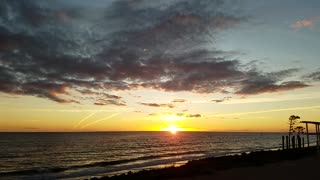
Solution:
(85, 155)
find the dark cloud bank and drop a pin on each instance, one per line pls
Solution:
(52, 49)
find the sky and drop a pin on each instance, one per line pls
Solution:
(149, 65)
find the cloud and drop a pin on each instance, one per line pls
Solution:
(194, 115)
(157, 105)
(104, 102)
(221, 100)
(108, 99)
(266, 111)
(258, 87)
(257, 83)
(51, 49)
(179, 101)
(310, 22)
(189, 115)
(101, 98)
(315, 76)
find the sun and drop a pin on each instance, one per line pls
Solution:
(173, 129)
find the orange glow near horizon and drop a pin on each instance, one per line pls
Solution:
(30, 114)
(172, 128)
(173, 118)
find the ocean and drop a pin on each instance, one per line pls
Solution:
(86, 155)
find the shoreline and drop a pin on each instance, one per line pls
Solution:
(205, 168)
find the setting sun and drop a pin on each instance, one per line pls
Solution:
(173, 129)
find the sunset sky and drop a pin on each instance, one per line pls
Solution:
(149, 65)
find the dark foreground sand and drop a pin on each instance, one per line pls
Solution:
(263, 165)
(300, 169)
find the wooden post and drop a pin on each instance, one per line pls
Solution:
(287, 142)
(299, 141)
(293, 142)
(282, 142)
(307, 134)
(317, 134)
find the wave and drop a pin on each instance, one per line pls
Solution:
(156, 163)
(98, 164)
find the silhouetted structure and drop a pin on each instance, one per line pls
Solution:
(317, 125)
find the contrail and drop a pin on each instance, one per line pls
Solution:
(85, 118)
(99, 120)
(266, 111)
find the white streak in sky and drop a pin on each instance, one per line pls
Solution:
(99, 120)
(85, 118)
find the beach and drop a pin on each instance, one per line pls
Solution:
(305, 168)
(280, 164)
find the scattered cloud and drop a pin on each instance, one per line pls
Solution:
(108, 99)
(157, 105)
(194, 116)
(258, 83)
(315, 76)
(310, 22)
(189, 115)
(104, 102)
(221, 100)
(265, 111)
(49, 50)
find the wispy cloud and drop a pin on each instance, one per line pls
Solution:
(85, 118)
(264, 111)
(314, 76)
(310, 22)
(194, 115)
(221, 100)
(99, 120)
(157, 105)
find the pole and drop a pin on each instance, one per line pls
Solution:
(293, 142)
(307, 134)
(317, 133)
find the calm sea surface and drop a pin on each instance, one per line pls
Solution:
(83, 155)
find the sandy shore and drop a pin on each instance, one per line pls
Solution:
(262, 165)
(306, 168)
